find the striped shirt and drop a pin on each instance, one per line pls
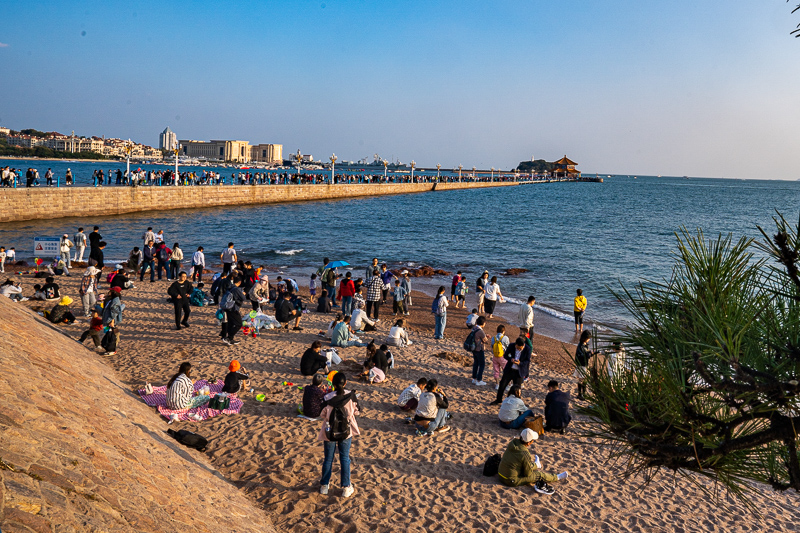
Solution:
(179, 395)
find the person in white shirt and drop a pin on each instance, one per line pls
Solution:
(198, 264)
(160, 236)
(64, 248)
(409, 398)
(493, 294)
(472, 319)
(11, 255)
(148, 236)
(361, 322)
(513, 411)
(525, 317)
(2, 258)
(398, 336)
(80, 244)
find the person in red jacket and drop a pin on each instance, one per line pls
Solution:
(347, 289)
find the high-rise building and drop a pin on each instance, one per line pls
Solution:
(167, 140)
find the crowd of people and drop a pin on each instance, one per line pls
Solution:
(356, 304)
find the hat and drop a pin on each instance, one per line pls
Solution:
(118, 290)
(234, 366)
(65, 300)
(528, 435)
(91, 271)
(264, 277)
(404, 272)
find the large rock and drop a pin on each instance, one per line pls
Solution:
(79, 452)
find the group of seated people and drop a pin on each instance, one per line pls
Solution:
(429, 403)
(514, 413)
(181, 393)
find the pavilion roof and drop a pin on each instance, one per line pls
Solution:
(564, 161)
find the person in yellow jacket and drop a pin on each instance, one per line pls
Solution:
(580, 309)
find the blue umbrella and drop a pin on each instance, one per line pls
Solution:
(336, 264)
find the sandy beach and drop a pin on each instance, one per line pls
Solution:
(403, 481)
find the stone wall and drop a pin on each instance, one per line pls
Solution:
(78, 452)
(45, 202)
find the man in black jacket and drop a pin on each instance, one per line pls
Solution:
(518, 357)
(556, 408)
(148, 260)
(180, 291)
(232, 314)
(313, 360)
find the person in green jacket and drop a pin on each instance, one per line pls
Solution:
(517, 468)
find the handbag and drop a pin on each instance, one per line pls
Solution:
(536, 424)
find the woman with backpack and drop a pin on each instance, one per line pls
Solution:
(340, 408)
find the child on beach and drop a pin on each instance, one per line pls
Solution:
(50, 289)
(399, 295)
(312, 287)
(461, 293)
(95, 330)
(472, 319)
(38, 293)
(499, 344)
(453, 285)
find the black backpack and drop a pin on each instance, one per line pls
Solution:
(338, 426)
(492, 465)
(187, 438)
(469, 342)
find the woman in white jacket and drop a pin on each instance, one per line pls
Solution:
(398, 336)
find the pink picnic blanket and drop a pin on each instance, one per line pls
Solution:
(159, 400)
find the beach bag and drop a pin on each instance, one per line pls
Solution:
(469, 342)
(107, 343)
(187, 438)
(330, 277)
(111, 275)
(338, 426)
(197, 298)
(497, 347)
(492, 465)
(435, 305)
(536, 424)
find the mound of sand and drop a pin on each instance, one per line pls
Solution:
(78, 452)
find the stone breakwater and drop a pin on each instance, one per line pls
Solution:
(79, 452)
(39, 203)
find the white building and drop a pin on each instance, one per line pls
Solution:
(167, 140)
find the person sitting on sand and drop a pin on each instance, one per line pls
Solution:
(378, 357)
(236, 379)
(259, 293)
(472, 319)
(398, 336)
(38, 293)
(12, 288)
(122, 280)
(358, 298)
(50, 289)
(61, 314)
(409, 398)
(431, 414)
(313, 396)
(556, 409)
(327, 333)
(518, 468)
(513, 411)
(361, 322)
(180, 390)
(95, 330)
(342, 335)
(346, 401)
(313, 360)
(324, 303)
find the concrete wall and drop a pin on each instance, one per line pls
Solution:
(37, 203)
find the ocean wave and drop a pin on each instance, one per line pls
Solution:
(293, 251)
(553, 312)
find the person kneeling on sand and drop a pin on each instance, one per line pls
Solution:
(236, 379)
(513, 411)
(431, 412)
(398, 336)
(313, 360)
(180, 390)
(409, 398)
(95, 330)
(61, 314)
(372, 374)
(518, 468)
(342, 334)
(340, 408)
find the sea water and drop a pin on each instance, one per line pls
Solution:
(592, 236)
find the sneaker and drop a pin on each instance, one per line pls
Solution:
(323, 490)
(348, 491)
(297, 328)
(184, 324)
(109, 354)
(473, 381)
(226, 341)
(543, 488)
(421, 433)
(480, 383)
(235, 342)
(443, 429)
(24, 299)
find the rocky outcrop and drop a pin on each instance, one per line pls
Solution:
(514, 271)
(79, 452)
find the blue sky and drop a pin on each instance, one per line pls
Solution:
(700, 88)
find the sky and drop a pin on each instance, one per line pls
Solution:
(686, 87)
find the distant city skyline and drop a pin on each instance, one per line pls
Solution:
(683, 88)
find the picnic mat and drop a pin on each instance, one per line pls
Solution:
(159, 400)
